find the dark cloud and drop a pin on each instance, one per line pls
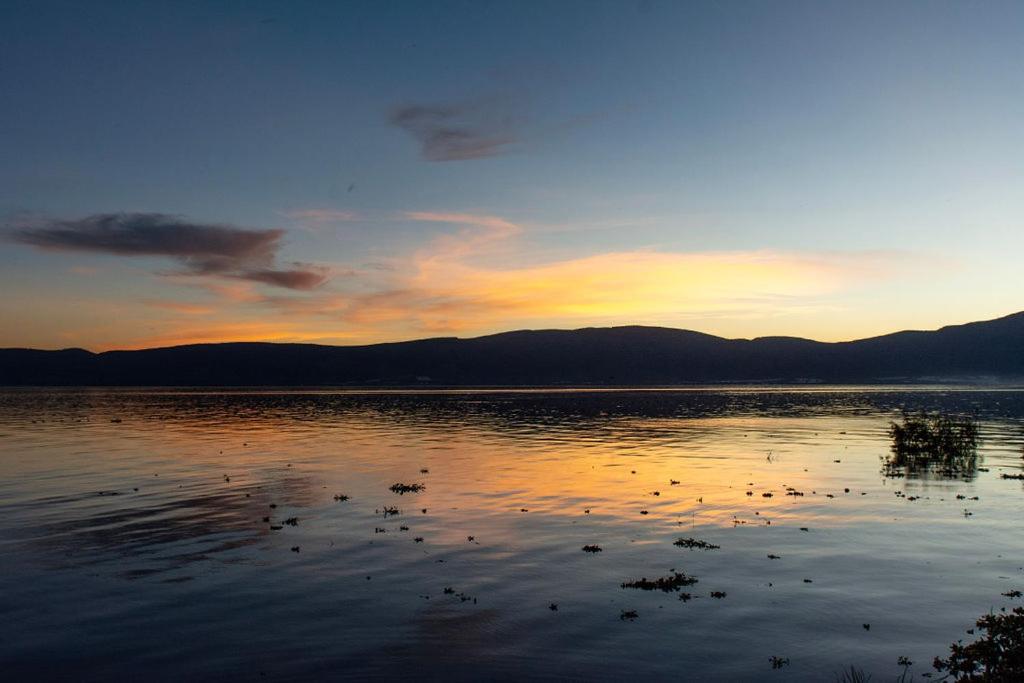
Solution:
(291, 279)
(203, 249)
(456, 132)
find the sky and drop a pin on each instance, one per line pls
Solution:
(357, 172)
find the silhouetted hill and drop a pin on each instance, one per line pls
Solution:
(593, 356)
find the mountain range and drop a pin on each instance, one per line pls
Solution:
(991, 350)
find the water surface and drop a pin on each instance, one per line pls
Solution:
(143, 533)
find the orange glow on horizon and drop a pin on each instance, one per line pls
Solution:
(482, 274)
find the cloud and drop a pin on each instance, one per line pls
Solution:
(308, 278)
(481, 274)
(480, 234)
(493, 223)
(201, 248)
(322, 215)
(180, 307)
(457, 132)
(635, 286)
(453, 285)
(84, 270)
(473, 279)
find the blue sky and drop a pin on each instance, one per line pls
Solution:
(831, 170)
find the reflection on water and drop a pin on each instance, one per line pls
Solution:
(203, 533)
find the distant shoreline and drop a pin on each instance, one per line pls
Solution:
(989, 352)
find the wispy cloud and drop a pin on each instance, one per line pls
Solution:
(88, 271)
(201, 248)
(455, 285)
(458, 131)
(469, 219)
(322, 215)
(180, 307)
(478, 233)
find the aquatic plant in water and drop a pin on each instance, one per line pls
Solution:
(668, 584)
(853, 675)
(997, 656)
(694, 543)
(933, 443)
(402, 489)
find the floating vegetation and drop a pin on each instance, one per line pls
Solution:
(778, 662)
(592, 549)
(668, 584)
(402, 489)
(628, 615)
(997, 656)
(1013, 594)
(945, 445)
(695, 544)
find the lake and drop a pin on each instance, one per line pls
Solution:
(253, 534)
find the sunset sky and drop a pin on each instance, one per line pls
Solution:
(373, 171)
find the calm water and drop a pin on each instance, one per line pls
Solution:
(133, 537)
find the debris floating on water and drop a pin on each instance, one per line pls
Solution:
(668, 584)
(402, 489)
(695, 544)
